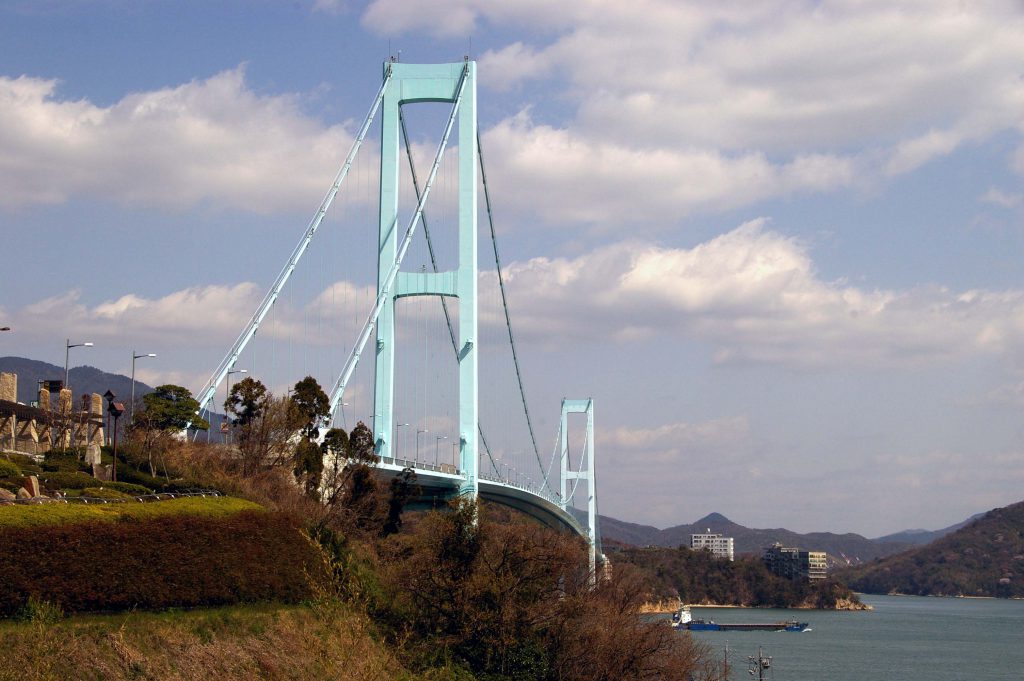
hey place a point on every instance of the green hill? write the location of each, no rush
(984, 558)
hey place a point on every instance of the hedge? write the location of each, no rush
(39, 515)
(170, 561)
(66, 480)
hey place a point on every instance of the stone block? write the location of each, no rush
(31, 485)
(9, 387)
(92, 454)
(64, 401)
(101, 472)
(7, 495)
(96, 405)
(23, 494)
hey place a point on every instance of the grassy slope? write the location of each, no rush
(240, 642)
(37, 515)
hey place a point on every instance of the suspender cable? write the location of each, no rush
(207, 393)
(371, 321)
(433, 262)
(504, 304)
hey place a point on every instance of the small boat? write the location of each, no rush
(684, 620)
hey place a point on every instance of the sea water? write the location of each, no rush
(905, 638)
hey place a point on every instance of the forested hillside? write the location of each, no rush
(696, 577)
(985, 558)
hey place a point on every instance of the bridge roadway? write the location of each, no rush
(440, 483)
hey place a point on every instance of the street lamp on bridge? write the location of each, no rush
(131, 405)
(437, 445)
(418, 443)
(397, 426)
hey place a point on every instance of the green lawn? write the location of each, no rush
(34, 515)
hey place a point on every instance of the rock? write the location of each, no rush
(23, 494)
(31, 485)
(92, 454)
(6, 495)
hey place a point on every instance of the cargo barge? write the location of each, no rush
(683, 620)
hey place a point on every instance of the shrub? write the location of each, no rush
(66, 514)
(8, 469)
(126, 487)
(27, 464)
(67, 480)
(162, 562)
(104, 493)
(62, 462)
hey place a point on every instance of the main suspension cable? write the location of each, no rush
(210, 389)
(504, 305)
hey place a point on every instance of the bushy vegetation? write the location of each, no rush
(163, 561)
(69, 514)
(465, 593)
(697, 577)
(985, 558)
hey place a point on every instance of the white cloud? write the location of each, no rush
(758, 87)
(1001, 198)
(562, 178)
(212, 140)
(753, 295)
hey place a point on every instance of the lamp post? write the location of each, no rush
(437, 444)
(227, 396)
(418, 443)
(67, 351)
(397, 426)
(131, 405)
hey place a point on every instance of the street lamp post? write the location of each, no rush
(227, 396)
(418, 443)
(437, 444)
(131, 405)
(400, 425)
(67, 352)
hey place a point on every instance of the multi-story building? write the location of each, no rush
(720, 547)
(792, 563)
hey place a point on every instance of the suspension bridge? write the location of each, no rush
(430, 358)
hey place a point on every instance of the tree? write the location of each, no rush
(266, 426)
(403, 490)
(312, 404)
(247, 400)
(361, 445)
(172, 407)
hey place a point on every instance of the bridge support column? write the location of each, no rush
(413, 83)
(586, 472)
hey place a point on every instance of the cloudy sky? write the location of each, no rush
(780, 243)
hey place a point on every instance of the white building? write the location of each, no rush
(720, 547)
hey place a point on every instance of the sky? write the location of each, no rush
(779, 243)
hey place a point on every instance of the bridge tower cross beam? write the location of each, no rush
(586, 472)
(415, 83)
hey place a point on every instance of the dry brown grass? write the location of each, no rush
(256, 642)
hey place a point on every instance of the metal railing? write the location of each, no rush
(135, 498)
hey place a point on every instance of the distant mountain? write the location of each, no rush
(983, 558)
(842, 548)
(83, 380)
(922, 537)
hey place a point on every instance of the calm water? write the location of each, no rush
(905, 638)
